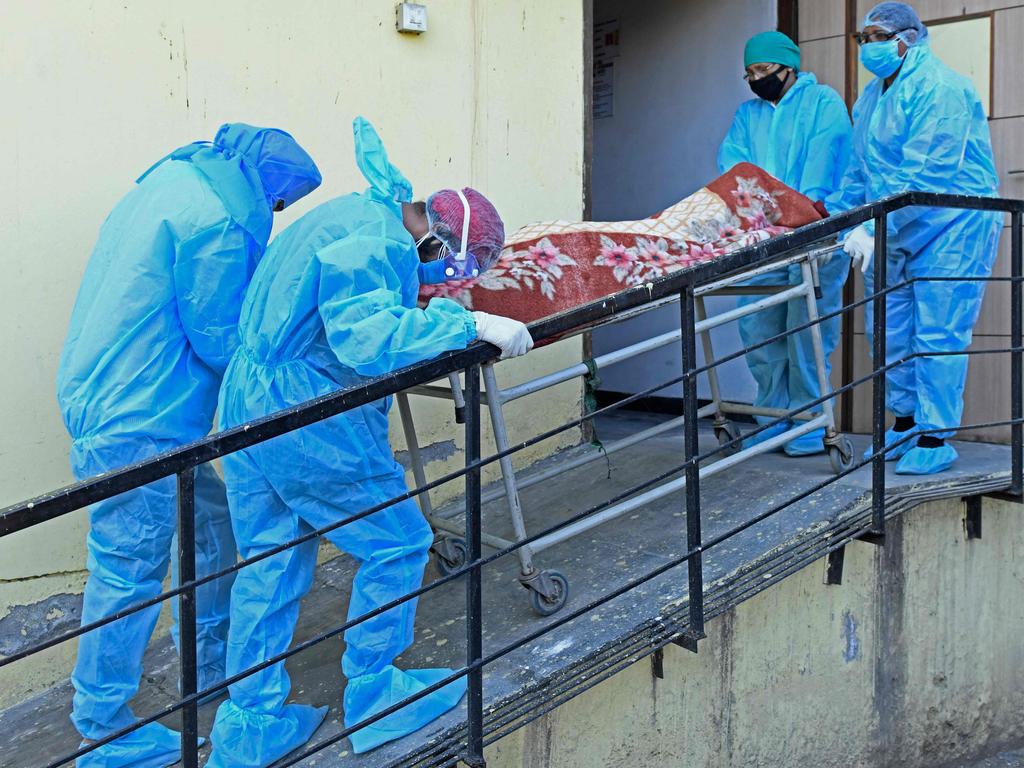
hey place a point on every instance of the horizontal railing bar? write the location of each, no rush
(479, 564)
(458, 473)
(317, 533)
(71, 634)
(253, 432)
(28, 514)
(76, 496)
(329, 405)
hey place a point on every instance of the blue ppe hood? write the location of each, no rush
(388, 185)
(268, 158)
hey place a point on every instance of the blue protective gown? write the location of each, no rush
(333, 302)
(804, 141)
(927, 132)
(152, 330)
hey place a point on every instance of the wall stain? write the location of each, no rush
(852, 649)
(890, 683)
(184, 61)
(438, 451)
(726, 678)
(537, 742)
(27, 625)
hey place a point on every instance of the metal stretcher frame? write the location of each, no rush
(549, 589)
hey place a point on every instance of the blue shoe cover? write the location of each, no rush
(369, 694)
(927, 461)
(773, 431)
(151, 746)
(810, 444)
(246, 739)
(894, 454)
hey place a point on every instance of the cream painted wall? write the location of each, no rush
(93, 93)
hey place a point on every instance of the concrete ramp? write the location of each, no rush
(529, 681)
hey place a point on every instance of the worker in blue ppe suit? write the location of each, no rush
(334, 302)
(799, 131)
(152, 330)
(921, 126)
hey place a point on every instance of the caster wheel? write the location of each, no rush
(547, 605)
(841, 456)
(725, 434)
(451, 554)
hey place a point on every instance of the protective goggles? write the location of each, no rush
(877, 37)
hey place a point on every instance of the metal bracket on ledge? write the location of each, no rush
(688, 640)
(870, 537)
(834, 566)
(658, 664)
(972, 517)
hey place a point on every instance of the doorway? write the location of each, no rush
(667, 82)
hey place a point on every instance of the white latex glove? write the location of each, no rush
(860, 245)
(510, 336)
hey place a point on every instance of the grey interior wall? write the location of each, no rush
(677, 83)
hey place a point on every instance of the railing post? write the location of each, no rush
(474, 603)
(187, 616)
(878, 381)
(695, 566)
(1016, 356)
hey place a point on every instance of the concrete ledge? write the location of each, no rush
(913, 661)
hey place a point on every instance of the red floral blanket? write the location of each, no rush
(553, 266)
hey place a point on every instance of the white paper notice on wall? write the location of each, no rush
(604, 90)
(606, 49)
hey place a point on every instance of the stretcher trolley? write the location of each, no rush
(548, 589)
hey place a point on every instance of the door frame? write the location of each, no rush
(788, 22)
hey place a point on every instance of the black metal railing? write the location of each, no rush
(182, 463)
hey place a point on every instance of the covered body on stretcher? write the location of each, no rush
(552, 267)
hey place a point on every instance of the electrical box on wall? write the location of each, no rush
(412, 18)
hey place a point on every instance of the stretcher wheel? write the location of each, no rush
(841, 456)
(451, 554)
(546, 605)
(725, 433)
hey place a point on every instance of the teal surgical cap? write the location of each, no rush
(771, 47)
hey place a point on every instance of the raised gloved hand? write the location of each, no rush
(860, 245)
(510, 336)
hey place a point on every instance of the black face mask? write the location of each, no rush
(770, 86)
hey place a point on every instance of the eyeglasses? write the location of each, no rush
(756, 73)
(875, 37)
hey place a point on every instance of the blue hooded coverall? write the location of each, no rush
(333, 302)
(926, 132)
(152, 330)
(804, 141)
